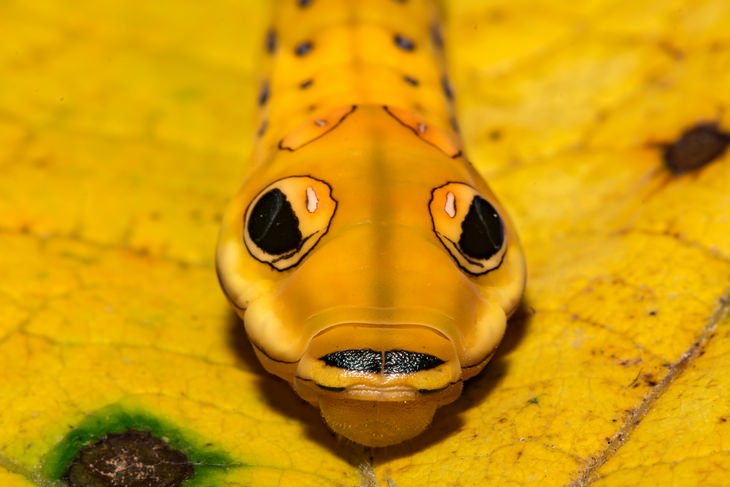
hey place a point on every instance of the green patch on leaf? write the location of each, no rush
(120, 436)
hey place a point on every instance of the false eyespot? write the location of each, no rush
(287, 219)
(469, 226)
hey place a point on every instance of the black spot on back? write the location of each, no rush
(446, 87)
(303, 48)
(130, 459)
(696, 147)
(482, 233)
(405, 362)
(262, 128)
(436, 37)
(359, 360)
(454, 124)
(264, 93)
(403, 42)
(273, 225)
(306, 84)
(304, 3)
(270, 41)
(410, 80)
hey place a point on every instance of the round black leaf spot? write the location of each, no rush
(696, 147)
(482, 232)
(130, 459)
(272, 225)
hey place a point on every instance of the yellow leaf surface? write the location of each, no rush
(124, 127)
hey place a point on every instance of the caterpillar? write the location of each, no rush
(373, 268)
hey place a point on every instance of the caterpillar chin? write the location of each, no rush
(382, 422)
(385, 389)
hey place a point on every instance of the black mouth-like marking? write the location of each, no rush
(405, 362)
(374, 362)
(361, 360)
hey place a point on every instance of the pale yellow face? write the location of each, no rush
(373, 269)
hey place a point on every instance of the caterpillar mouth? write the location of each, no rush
(388, 362)
(397, 362)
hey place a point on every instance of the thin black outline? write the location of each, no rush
(437, 233)
(417, 134)
(278, 258)
(280, 145)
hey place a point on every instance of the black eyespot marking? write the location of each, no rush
(405, 362)
(303, 48)
(273, 226)
(404, 42)
(270, 42)
(482, 233)
(436, 36)
(696, 147)
(411, 80)
(264, 93)
(469, 227)
(304, 3)
(446, 87)
(360, 360)
(306, 84)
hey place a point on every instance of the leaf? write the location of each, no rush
(124, 128)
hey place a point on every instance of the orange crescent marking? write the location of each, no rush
(314, 129)
(434, 136)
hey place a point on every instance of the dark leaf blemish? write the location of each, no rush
(695, 148)
(130, 459)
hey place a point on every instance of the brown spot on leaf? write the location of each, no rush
(695, 148)
(130, 459)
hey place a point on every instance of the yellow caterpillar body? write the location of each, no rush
(373, 268)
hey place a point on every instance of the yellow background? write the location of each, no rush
(124, 127)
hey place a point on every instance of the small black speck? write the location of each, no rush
(264, 93)
(303, 48)
(446, 86)
(304, 3)
(410, 80)
(306, 84)
(652, 312)
(495, 134)
(271, 41)
(262, 128)
(696, 147)
(404, 42)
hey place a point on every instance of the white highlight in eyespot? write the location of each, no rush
(450, 206)
(312, 200)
